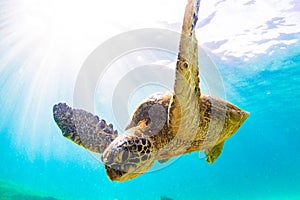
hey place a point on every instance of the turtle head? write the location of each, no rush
(128, 156)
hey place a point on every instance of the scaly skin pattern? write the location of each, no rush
(84, 128)
(130, 155)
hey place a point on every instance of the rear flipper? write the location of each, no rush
(84, 128)
(213, 153)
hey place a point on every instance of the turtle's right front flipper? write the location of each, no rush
(84, 128)
(184, 115)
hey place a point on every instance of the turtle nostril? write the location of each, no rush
(108, 158)
(106, 161)
(104, 158)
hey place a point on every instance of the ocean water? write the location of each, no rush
(255, 48)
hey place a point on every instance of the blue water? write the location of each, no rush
(261, 161)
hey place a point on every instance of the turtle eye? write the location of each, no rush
(125, 155)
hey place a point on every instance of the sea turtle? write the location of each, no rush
(165, 125)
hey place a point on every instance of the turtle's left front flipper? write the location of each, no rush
(84, 128)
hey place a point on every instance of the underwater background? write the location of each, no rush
(253, 44)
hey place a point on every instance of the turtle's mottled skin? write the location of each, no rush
(165, 125)
(84, 128)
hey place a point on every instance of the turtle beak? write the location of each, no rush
(113, 174)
